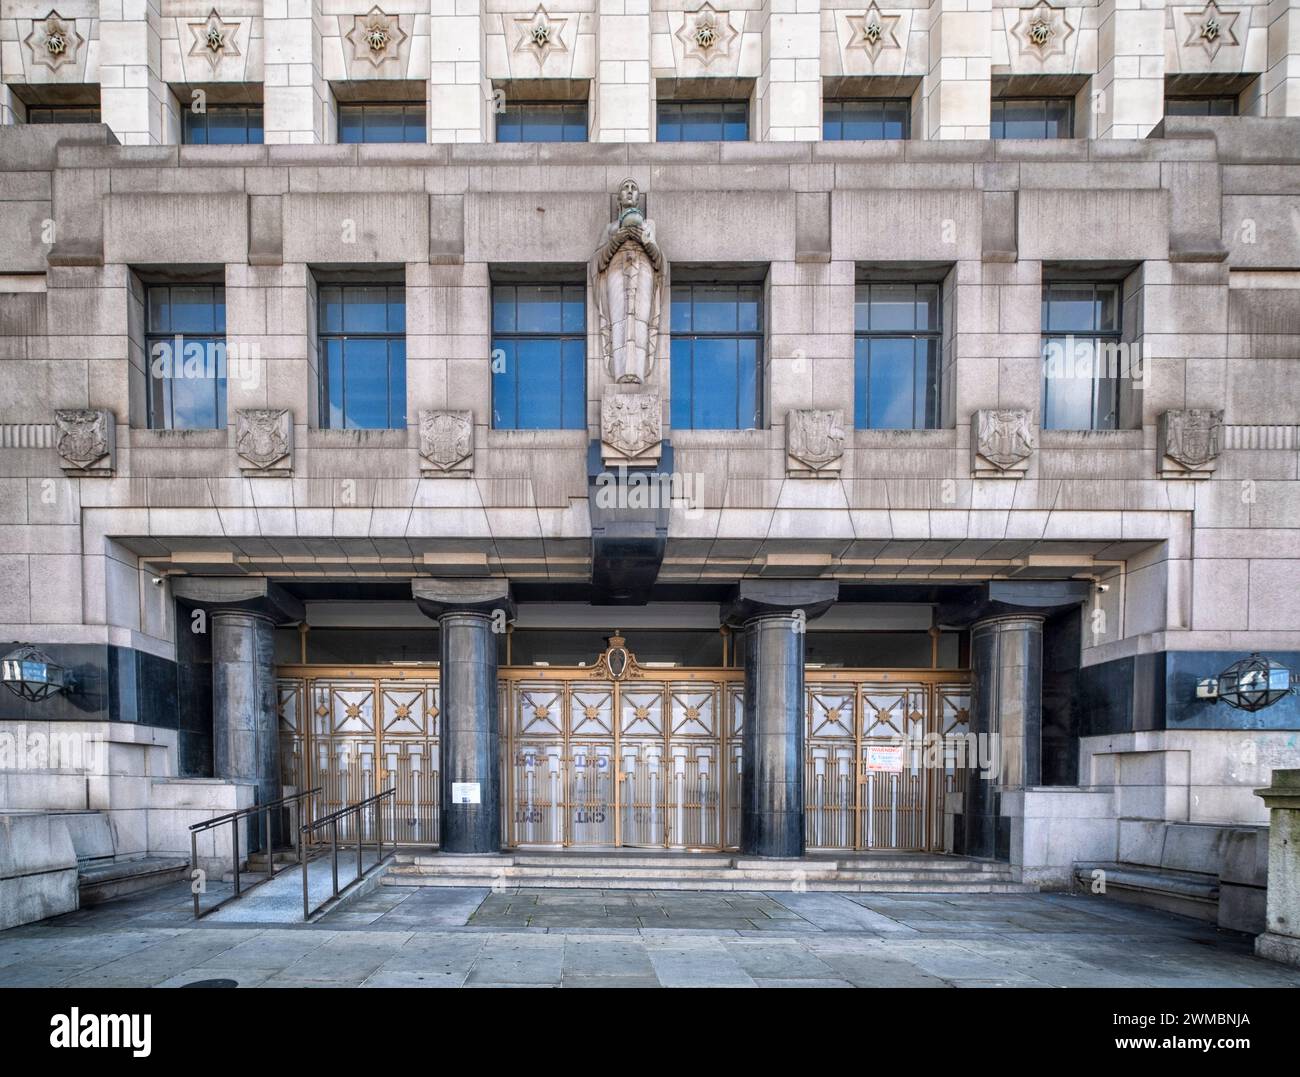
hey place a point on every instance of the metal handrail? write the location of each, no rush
(332, 821)
(233, 818)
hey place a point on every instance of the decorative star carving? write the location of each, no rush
(1043, 30)
(707, 34)
(376, 37)
(873, 32)
(1211, 29)
(541, 34)
(214, 39)
(54, 41)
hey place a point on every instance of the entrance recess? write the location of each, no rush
(617, 754)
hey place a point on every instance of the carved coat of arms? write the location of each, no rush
(85, 438)
(1003, 438)
(447, 439)
(631, 423)
(1191, 437)
(814, 439)
(264, 437)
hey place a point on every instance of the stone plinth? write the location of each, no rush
(1281, 939)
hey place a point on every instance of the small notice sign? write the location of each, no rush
(465, 793)
(885, 757)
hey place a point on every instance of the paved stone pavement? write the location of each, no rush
(432, 937)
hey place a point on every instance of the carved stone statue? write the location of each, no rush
(628, 273)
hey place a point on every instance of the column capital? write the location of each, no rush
(436, 597)
(752, 599)
(244, 594)
(1015, 598)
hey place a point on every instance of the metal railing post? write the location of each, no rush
(334, 852)
(302, 860)
(234, 844)
(360, 829)
(270, 850)
(194, 867)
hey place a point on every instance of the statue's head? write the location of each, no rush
(629, 194)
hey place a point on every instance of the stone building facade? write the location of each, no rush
(288, 597)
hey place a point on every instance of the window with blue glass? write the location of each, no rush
(1083, 356)
(1225, 105)
(543, 121)
(539, 361)
(185, 343)
(63, 114)
(865, 121)
(703, 121)
(374, 122)
(224, 125)
(896, 347)
(362, 339)
(717, 350)
(1032, 117)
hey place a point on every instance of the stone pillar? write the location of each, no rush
(134, 101)
(245, 726)
(623, 108)
(242, 614)
(1007, 709)
(790, 85)
(294, 92)
(1281, 938)
(1129, 87)
(774, 615)
(459, 96)
(471, 615)
(1281, 82)
(958, 81)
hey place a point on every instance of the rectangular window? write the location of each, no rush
(394, 122)
(185, 346)
(717, 356)
(224, 125)
(1201, 106)
(868, 120)
(539, 379)
(543, 121)
(1082, 356)
(63, 114)
(362, 356)
(896, 348)
(703, 121)
(1032, 117)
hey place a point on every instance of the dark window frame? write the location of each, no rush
(757, 335)
(1112, 337)
(569, 289)
(931, 420)
(840, 103)
(1230, 98)
(191, 118)
(324, 335)
(514, 107)
(54, 111)
(164, 407)
(718, 103)
(363, 108)
(1003, 102)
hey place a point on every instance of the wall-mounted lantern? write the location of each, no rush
(1250, 684)
(32, 675)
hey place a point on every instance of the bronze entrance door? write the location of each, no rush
(619, 755)
(882, 749)
(355, 732)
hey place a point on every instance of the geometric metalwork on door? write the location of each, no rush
(356, 733)
(614, 754)
(878, 758)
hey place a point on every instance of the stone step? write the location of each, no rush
(927, 885)
(98, 882)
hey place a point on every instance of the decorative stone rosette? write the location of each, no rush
(264, 440)
(707, 35)
(1210, 30)
(54, 42)
(214, 40)
(874, 32)
(540, 35)
(1002, 441)
(814, 442)
(376, 38)
(1042, 31)
(446, 443)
